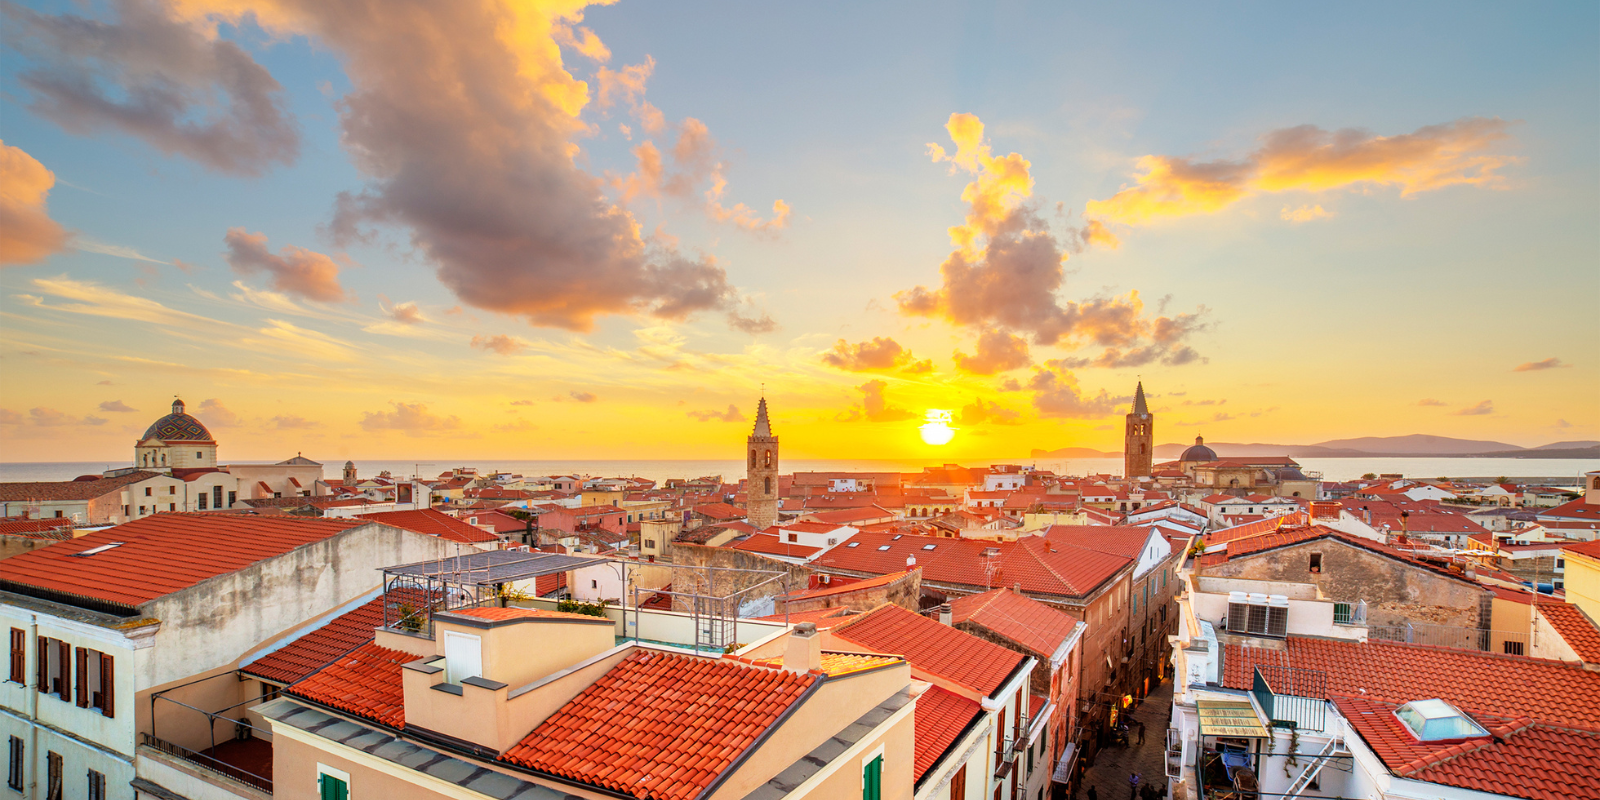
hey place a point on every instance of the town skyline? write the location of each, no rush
(1347, 239)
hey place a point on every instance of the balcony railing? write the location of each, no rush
(209, 763)
(1490, 641)
(1291, 697)
(1350, 613)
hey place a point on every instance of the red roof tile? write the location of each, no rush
(940, 717)
(834, 663)
(1575, 627)
(70, 490)
(767, 544)
(315, 649)
(433, 523)
(1521, 757)
(1549, 691)
(843, 587)
(365, 683)
(823, 618)
(163, 553)
(1040, 565)
(660, 725)
(1027, 622)
(1292, 520)
(933, 648)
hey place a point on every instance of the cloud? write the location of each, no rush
(9, 417)
(627, 86)
(27, 233)
(1561, 423)
(1304, 213)
(303, 341)
(584, 41)
(516, 426)
(51, 418)
(1308, 159)
(403, 313)
(522, 402)
(882, 353)
(997, 351)
(413, 418)
(1431, 402)
(1006, 268)
(116, 406)
(174, 84)
(1010, 385)
(465, 125)
(105, 383)
(1485, 407)
(1205, 402)
(501, 343)
(753, 325)
(979, 411)
(215, 415)
(293, 270)
(1535, 366)
(1056, 394)
(583, 397)
(116, 250)
(731, 415)
(874, 406)
(1095, 234)
(290, 422)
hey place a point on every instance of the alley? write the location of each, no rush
(1115, 763)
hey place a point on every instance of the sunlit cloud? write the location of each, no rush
(997, 351)
(1431, 402)
(1309, 159)
(881, 353)
(981, 411)
(412, 419)
(1304, 213)
(27, 233)
(116, 406)
(1056, 393)
(218, 415)
(583, 397)
(500, 343)
(731, 415)
(1485, 407)
(304, 341)
(293, 270)
(875, 407)
(1535, 366)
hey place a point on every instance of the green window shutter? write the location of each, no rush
(333, 788)
(872, 780)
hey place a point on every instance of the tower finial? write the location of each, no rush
(1139, 406)
(763, 425)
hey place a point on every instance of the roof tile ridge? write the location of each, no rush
(1051, 569)
(1446, 755)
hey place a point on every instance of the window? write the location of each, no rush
(54, 670)
(794, 537)
(769, 486)
(202, 502)
(332, 784)
(1513, 648)
(172, 506)
(216, 496)
(52, 790)
(14, 764)
(141, 509)
(95, 681)
(958, 784)
(172, 489)
(198, 454)
(872, 778)
(146, 491)
(1316, 562)
(233, 497)
(97, 786)
(19, 656)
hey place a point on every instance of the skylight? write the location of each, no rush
(97, 550)
(929, 546)
(853, 544)
(885, 547)
(1436, 720)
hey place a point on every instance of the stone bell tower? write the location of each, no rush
(761, 486)
(1138, 449)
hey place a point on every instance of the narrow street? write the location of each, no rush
(1115, 763)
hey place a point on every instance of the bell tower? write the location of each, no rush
(761, 485)
(1138, 449)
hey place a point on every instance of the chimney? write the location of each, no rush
(946, 616)
(805, 649)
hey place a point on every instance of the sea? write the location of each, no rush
(1556, 471)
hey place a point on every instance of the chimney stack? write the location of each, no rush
(805, 649)
(946, 616)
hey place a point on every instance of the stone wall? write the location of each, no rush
(903, 592)
(1396, 591)
(722, 584)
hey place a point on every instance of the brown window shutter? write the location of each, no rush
(41, 670)
(19, 656)
(65, 678)
(83, 678)
(108, 685)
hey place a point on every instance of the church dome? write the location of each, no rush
(178, 427)
(1199, 452)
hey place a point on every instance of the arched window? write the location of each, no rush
(752, 459)
(769, 459)
(769, 486)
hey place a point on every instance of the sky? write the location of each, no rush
(532, 230)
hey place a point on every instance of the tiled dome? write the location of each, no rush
(1199, 452)
(178, 427)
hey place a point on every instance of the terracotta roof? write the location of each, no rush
(1549, 691)
(1521, 757)
(1030, 623)
(848, 515)
(1285, 537)
(940, 718)
(933, 648)
(315, 649)
(57, 491)
(1268, 525)
(366, 683)
(497, 614)
(1041, 566)
(163, 553)
(767, 544)
(823, 618)
(720, 511)
(1590, 549)
(1125, 541)
(49, 528)
(1576, 509)
(433, 523)
(847, 586)
(660, 725)
(1575, 627)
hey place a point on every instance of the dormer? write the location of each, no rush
(483, 656)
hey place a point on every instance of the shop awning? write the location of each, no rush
(1230, 718)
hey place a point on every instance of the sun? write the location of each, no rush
(936, 430)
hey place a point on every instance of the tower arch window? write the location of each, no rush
(768, 459)
(752, 459)
(769, 485)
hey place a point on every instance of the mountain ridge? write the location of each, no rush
(1416, 445)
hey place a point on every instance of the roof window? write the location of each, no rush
(852, 544)
(1437, 721)
(929, 546)
(97, 550)
(897, 537)
(884, 547)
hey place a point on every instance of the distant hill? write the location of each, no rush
(1416, 444)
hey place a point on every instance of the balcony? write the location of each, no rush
(247, 761)
(1290, 697)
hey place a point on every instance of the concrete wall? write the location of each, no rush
(1396, 592)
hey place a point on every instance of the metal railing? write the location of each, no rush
(1350, 613)
(209, 763)
(1505, 642)
(1292, 697)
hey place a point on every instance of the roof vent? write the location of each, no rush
(1437, 721)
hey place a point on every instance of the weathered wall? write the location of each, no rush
(903, 592)
(726, 583)
(1396, 592)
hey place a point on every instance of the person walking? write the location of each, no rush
(1093, 795)
(1133, 786)
(1141, 731)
